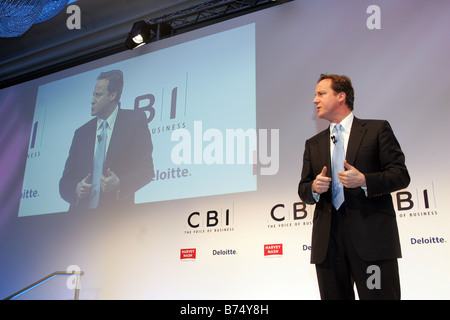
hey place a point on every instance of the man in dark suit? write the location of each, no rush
(357, 241)
(126, 160)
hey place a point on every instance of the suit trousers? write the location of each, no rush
(343, 268)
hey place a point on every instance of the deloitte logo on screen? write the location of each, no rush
(171, 173)
(29, 194)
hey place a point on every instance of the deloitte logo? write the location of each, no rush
(29, 193)
(429, 241)
(227, 252)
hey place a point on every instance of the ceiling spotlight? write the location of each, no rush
(139, 35)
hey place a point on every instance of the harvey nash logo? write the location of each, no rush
(273, 249)
(188, 254)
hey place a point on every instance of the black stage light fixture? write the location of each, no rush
(193, 17)
(139, 35)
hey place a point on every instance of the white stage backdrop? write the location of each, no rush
(229, 109)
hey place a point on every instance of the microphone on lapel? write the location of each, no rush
(333, 138)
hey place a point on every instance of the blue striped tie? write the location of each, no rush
(337, 164)
(98, 167)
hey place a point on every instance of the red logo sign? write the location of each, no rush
(273, 249)
(188, 253)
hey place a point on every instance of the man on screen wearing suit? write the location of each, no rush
(111, 155)
(355, 234)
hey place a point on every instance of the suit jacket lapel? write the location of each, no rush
(356, 136)
(114, 142)
(324, 150)
(89, 138)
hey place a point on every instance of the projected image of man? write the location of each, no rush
(111, 155)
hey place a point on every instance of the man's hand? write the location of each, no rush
(84, 187)
(322, 183)
(110, 182)
(351, 177)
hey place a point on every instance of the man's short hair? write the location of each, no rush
(115, 82)
(341, 83)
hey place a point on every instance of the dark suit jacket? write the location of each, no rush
(373, 150)
(129, 156)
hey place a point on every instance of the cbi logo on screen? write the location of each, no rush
(165, 108)
(29, 193)
(35, 141)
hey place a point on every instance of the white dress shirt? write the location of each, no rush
(347, 125)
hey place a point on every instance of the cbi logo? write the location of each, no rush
(168, 102)
(146, 102)
(206, 221)
(421, 201)
(35, 140)
(278, 212)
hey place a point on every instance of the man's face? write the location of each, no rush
(102, 101)
(327, 101)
